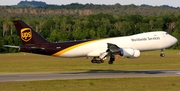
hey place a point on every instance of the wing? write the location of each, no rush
(113, 48)
(126, 52)
(103, 54)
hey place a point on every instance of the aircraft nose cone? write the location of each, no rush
(173, 40)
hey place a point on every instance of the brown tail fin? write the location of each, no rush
(27, 34)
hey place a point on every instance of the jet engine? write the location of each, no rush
(129, 52)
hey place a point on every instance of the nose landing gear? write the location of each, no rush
(162, 53)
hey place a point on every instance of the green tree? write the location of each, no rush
(92, 34)
(176, 34)
(159, 24)
(80, 34)
(102, 32)
(145, 27)
(2, 48)
(126, 28)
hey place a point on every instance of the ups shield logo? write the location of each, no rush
(26, 34)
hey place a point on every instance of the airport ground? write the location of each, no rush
(24, 63)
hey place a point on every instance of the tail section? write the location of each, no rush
(27, 34)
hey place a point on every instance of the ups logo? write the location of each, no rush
(26, 34)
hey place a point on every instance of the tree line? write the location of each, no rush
(65, 23)
(76, 9)
(68, 28)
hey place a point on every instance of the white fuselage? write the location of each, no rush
(142, 42)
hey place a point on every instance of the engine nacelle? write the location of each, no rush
(129, 52)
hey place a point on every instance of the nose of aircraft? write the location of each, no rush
(173, 40)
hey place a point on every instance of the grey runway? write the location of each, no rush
(86, 75)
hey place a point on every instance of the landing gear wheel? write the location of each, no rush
(102, 61)
(110, 62)
(112, 58)
(93, 61)
(162, 54)
(97, 60)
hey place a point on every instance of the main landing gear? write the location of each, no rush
(162, 53)
(112, 58)
(98, 60)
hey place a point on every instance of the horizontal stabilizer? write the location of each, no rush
(10, 46)
(36, 50)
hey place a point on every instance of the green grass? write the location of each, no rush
(25, 63)
(30, 63)
(114, 84)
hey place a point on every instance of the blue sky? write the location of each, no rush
(175, 3)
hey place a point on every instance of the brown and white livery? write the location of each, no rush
(99, 49)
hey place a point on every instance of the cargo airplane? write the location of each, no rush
(99, 49)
